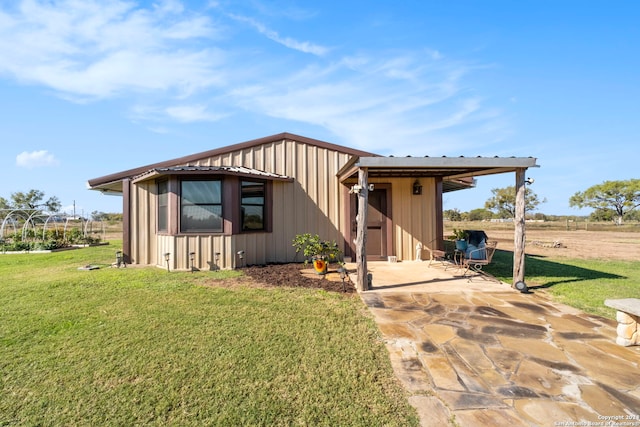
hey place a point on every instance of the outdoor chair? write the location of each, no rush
(436, 255)
(476, 259)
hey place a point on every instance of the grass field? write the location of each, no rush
(595, 261)
(581, 283)
(140, 346)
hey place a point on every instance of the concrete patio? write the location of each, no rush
(476, 353)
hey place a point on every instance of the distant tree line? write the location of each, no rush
(34, 201)
(612, 201)
(106, 217)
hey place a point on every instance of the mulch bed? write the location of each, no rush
(297, 276)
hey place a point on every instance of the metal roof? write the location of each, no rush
(205, 170)
(457, 173)
(112, 183)
(445, 167)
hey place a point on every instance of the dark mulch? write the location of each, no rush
(290, 275)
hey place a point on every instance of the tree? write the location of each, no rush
(452, 214)
(620, 196)
(480, 214)
(503, 201)
(33, 201)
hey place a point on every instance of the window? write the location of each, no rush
(252, 205)
(201, 206)
(163, 206)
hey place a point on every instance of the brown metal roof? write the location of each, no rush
(457, 173)
(203, 170)
(113, 183)
(446, 167)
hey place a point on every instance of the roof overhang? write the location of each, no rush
(456, 172)
(210, 170)
(115, 187)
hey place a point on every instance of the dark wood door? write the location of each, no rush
(377, 227)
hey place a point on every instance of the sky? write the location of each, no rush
(89, 88)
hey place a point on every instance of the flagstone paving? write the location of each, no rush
(470, 356)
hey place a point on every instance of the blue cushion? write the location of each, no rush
(474, 253)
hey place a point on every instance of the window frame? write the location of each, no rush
(262, 206)
(162, 207)
(231, 202)
(221, 204)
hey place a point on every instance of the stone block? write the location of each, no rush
(626, 330)
(623, 341)
(623, 317)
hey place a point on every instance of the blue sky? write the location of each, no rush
(89, 88)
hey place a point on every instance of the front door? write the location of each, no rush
(377, 224)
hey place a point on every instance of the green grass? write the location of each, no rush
(140, 346)
(583, 284)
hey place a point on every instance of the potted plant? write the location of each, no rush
(460, 237)
(319, 252)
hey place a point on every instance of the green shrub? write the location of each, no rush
(312, 247)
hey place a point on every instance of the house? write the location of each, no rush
(243, 204)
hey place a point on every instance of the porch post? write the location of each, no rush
(362, 284)
(519, 231)
(126, 220)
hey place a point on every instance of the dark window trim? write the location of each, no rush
(159, 207)
(263, 205)
(221, 204)
(231, 201)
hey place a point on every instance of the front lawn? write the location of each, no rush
(140, 346)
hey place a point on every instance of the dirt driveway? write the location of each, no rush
(612, 245)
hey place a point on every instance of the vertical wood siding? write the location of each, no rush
(413, 216)
(310, 204)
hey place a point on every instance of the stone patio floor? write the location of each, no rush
(479, 353)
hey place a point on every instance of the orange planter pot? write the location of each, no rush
(320, 266)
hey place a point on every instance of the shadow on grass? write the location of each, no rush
(538, 268)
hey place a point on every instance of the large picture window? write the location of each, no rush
(163, 206)
(252, 205)
(201, 206)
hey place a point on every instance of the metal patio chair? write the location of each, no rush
(476, 259)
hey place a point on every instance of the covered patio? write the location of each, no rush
(450, 173)
(417, 276)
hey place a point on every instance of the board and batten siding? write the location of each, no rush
(413, 216)
(309, 204)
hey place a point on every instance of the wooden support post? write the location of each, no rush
(519, 231)
(362, 282)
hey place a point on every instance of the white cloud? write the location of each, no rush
(306, 47)
(101, 49)
(183, 113)
(175, 65)
(390, 103)
(193, 113)
(36, 159)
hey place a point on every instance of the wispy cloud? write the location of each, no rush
(183, 113)
(302, 46)
(193, 113)
(36, 159)
(101, 49)
(387, 102)
(176, 65)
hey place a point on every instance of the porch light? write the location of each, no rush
(120, 260)
(343, 276)
(166, 258)
(417, 188)
(192, 255)
(522, 287)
